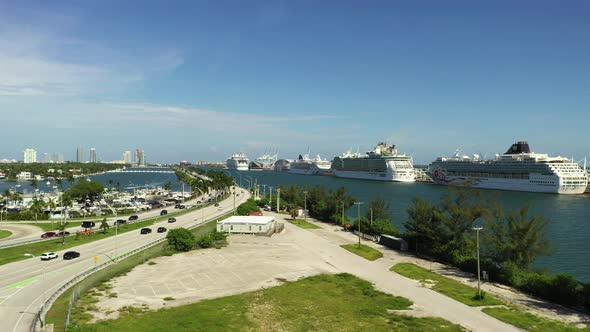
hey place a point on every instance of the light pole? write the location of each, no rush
(278, 199)
(477, 229)
(116, 229)
(249, 184)
(270, 200)
(305, 204)
(358, 204)
(42, 278)
(264, 190)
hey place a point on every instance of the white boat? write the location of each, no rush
(518, 169)
(308, 166)
(238, 161)
(383, 163)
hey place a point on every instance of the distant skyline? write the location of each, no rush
(196, 80)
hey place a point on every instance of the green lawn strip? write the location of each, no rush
(47, 227)
(320, 303)
(444, 285)
(13, 254)
(530, 322)
(302, 224)
(4, 233)
(363, 251)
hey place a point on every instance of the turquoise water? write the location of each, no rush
(568, 228)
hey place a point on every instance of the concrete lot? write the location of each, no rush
(248, 263)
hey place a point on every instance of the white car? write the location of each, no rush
(48, 256)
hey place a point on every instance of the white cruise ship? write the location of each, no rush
(384, 163)
(238, 161)
(518, 169)
(307, 166)
(264, 162)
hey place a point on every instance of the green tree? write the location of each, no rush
(420, 227)
(293, 210)
(104, 225)
(37, 207)
(518, 237)
(168, 186)
(62, 225)
(83, 189)
(181, 239)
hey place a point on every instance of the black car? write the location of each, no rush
(171, 220)
(88, 224)
(63, 233)
(216, 204)
(71, 255)
(179, 206)
(146, 230)
(161, 229)
(163, 212)
(120, 222)
(133, 217)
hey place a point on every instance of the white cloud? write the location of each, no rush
(36, 62)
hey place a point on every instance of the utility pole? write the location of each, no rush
(477, 229)
(270, 189)
(305, 204)
(358, 204)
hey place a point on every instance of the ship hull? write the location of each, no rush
(377, 176)
(512, 185)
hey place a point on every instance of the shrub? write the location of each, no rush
(248, 207)
(209, 240)
(181, 239)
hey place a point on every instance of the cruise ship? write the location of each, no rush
(307, 166)
(518, 169)
(384, 163)
(264, 162)
(238, 161)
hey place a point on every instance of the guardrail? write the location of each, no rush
(40, 315)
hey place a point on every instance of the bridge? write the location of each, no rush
(167, 171)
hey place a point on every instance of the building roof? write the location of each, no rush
(255, 220)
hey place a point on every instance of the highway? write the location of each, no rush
(25, 285)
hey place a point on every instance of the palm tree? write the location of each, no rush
(37, 207)
(62, 225)
(104, 225)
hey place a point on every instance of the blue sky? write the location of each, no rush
(200, 80)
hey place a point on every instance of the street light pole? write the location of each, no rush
(477, 229)
(305, 204)
(278, 199)
(270, 200)
(358, 204)
(264, 191)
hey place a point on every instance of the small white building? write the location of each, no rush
(247, 224)
(24, 176)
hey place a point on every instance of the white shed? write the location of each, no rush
(246, 224)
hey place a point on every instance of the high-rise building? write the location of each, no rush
(30, 156)
(139, 157)
(80, 154)
(47, 158)
(58, 158)
(127, 157)
(92, 155)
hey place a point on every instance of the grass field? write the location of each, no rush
(13, 254)
(364, 251)
(47, 227)
(4, 233)
(321, 303)
(530, 322)
(444, 285)
(302, 224)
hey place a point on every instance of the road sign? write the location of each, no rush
(95, 259)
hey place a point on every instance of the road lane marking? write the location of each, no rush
(22, 283)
